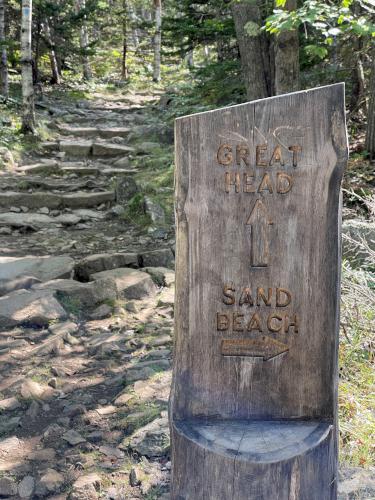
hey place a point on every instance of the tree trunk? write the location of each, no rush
(157, 41)
(28, 110)
(3, 58)
(84, 42)
(124, 68)
(370, 134)
(36, 41)
(254, 50)
(52, 54)
(287, 58)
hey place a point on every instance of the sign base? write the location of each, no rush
(287, 460)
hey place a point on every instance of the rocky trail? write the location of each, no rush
(86, 314)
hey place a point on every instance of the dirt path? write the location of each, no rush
(86, 314)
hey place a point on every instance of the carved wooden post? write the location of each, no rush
(253, 407)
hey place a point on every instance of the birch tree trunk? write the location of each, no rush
(157, 41)
(287, 58)
(52, 53)
(3, 57)
(254, 50)
(370, 134)
(124, 67)
(84, 42)
(28, 110)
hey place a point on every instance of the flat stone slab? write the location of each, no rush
(28, 221)
(92, 132)
(78, 199)
(104, 262)
(32, 308)
(107, 149)
(40, 168)
(80, 170)
(257, 441)
(47, 268)
(130, 283)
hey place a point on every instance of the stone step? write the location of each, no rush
(108, 149)
(77, 168)
(80, 199)
(31, 221)
(85, 149)
(93, 132)
(31, 183)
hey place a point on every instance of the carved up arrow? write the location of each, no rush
(264, 347)
(259, 222)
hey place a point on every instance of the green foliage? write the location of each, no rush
(326, 20)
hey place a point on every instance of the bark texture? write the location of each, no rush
(254, 50)
(28, 110)
(124, 65)
(52, 53)
(84, 42)
(3, 57)
(370, 135)
(157, 40)
(287, 58)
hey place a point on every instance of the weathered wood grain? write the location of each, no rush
(257, 284)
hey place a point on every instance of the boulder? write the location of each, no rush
(6, 159)
(33, 308)
(103, 262)
(80, 295)
(158, 258)
(23, 272)
(130, 283)
(126, 188)
(152, 440)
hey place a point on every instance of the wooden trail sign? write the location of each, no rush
(254, 396)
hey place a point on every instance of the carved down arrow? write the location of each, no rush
(264, 347)
(259, 222)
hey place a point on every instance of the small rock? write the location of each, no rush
(53, 383)
(43, 210)
(16, 210)
(50, 482)
(33, 410)
(101, 312)
(9, 404)
(26, 487)
(5, 231)
(109, 451)
(117, 211)
(152, 440)
(134, 479)
(32, 390)
(8, 487)
(155, 211)
(73, 437)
